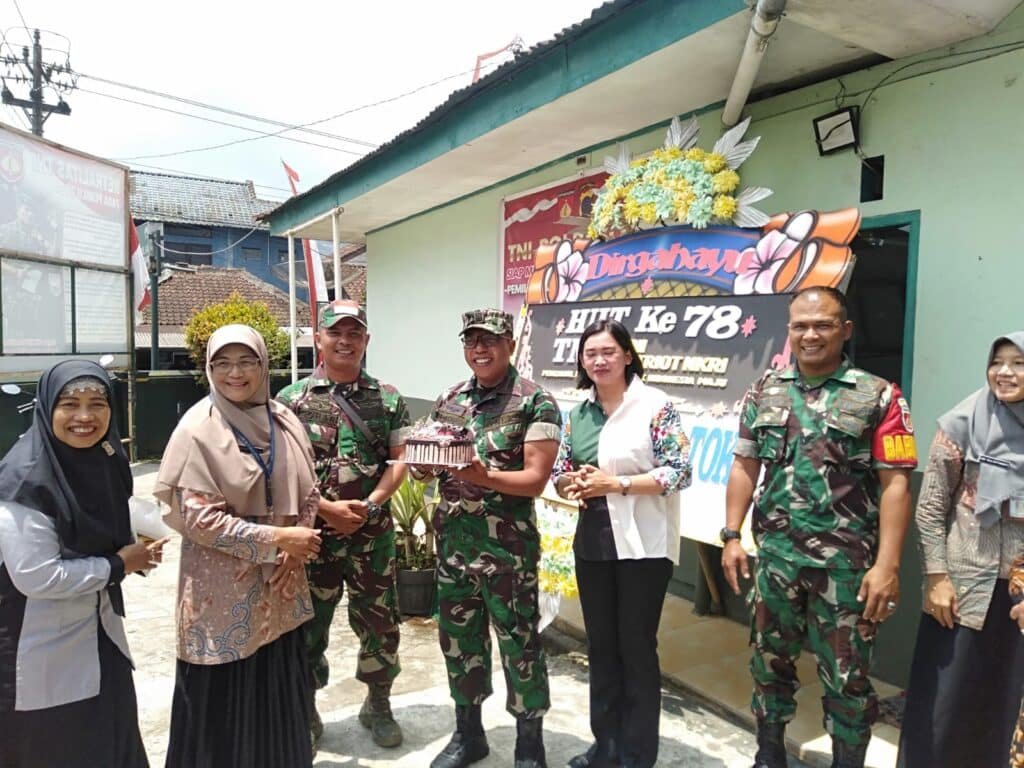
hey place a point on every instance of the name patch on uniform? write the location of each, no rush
(897, 448)
(454, 409)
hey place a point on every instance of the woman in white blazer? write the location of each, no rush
(624, 456)
(67, 699)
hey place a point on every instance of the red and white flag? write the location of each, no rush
(314, 264)
(141, 273)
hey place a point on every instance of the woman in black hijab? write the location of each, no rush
(66, 693)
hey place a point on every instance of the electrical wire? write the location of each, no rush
(219, 122)
(20, 14)
(304, 125)
(214, 107)
(165, 249)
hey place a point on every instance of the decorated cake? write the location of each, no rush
(440, 444)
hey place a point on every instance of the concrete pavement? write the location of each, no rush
(693, 734)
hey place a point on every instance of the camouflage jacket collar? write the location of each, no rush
(845, 373)
(319, 379)
(508, 386)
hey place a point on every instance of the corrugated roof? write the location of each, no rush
(185, 292)
(176, 339)
(506, 71)
(196, 200)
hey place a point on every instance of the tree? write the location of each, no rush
(235, 309)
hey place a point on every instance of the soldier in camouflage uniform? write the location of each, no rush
(830, 517)
(355, 485)
(488, 543)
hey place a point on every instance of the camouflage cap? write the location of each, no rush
(336, 311)
(493, 320)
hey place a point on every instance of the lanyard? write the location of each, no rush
(266, 466)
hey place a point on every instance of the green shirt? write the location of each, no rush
(475, 525)
(822, 445)
(348, 466)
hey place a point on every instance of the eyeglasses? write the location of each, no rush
(248, 365)
(820, 327)
(489, 340)
(1017, 366)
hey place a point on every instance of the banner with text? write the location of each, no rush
(538, 219)
(59, 204)
(704, 352)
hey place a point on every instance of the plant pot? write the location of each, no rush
(416, 591)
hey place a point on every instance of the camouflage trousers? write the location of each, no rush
(372, 608)
(791, 604)
(470, 602)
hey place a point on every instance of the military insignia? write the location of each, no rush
(908, 425)
(454, 409)
(899, 448)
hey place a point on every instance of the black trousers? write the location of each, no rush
(622, 602)
(964, 693)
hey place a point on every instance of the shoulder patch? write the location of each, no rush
(904, 407)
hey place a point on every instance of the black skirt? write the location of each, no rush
(101, 732)
(965, 692)
(252, 713)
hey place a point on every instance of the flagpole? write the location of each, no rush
(337, 256)
(291, 308)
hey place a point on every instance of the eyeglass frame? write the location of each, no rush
(487, 339)
(222, 366)
(820, 326)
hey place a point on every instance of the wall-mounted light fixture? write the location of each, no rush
(836, 131)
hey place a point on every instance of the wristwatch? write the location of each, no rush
(372, 508)
(625, 484)
(727, 534)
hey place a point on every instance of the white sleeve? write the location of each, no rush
(30, 549)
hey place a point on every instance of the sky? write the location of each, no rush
(295, 62)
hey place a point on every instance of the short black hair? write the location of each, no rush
(622, 338)
(835, 293)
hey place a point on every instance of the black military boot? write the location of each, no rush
(468, 744)
(603, 753)
(530, 743)
(848, 755)
(376, 715)
(771, 745)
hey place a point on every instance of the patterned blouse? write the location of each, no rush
(951, 539)
(226, 607)
(672, 471)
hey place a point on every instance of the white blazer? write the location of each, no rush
(57, 660)
(643, 526)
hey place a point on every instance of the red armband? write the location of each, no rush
(894, 442)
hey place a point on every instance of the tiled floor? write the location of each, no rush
(709, 655)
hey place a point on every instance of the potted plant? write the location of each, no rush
(415, 560)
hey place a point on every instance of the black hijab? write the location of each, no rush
(85, 490)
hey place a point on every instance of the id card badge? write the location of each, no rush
(1017, 510)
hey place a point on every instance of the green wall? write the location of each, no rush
(949, 129)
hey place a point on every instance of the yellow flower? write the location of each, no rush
(682, 203)
(696, 153)
(638, 162)
(724, 207)
(725, 181)
(631, 211)
(649, 213)
(714, 162)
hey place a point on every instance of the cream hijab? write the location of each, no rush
(204, 455)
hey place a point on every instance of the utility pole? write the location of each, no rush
(41, 75)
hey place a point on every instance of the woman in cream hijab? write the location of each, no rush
(238, 477)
